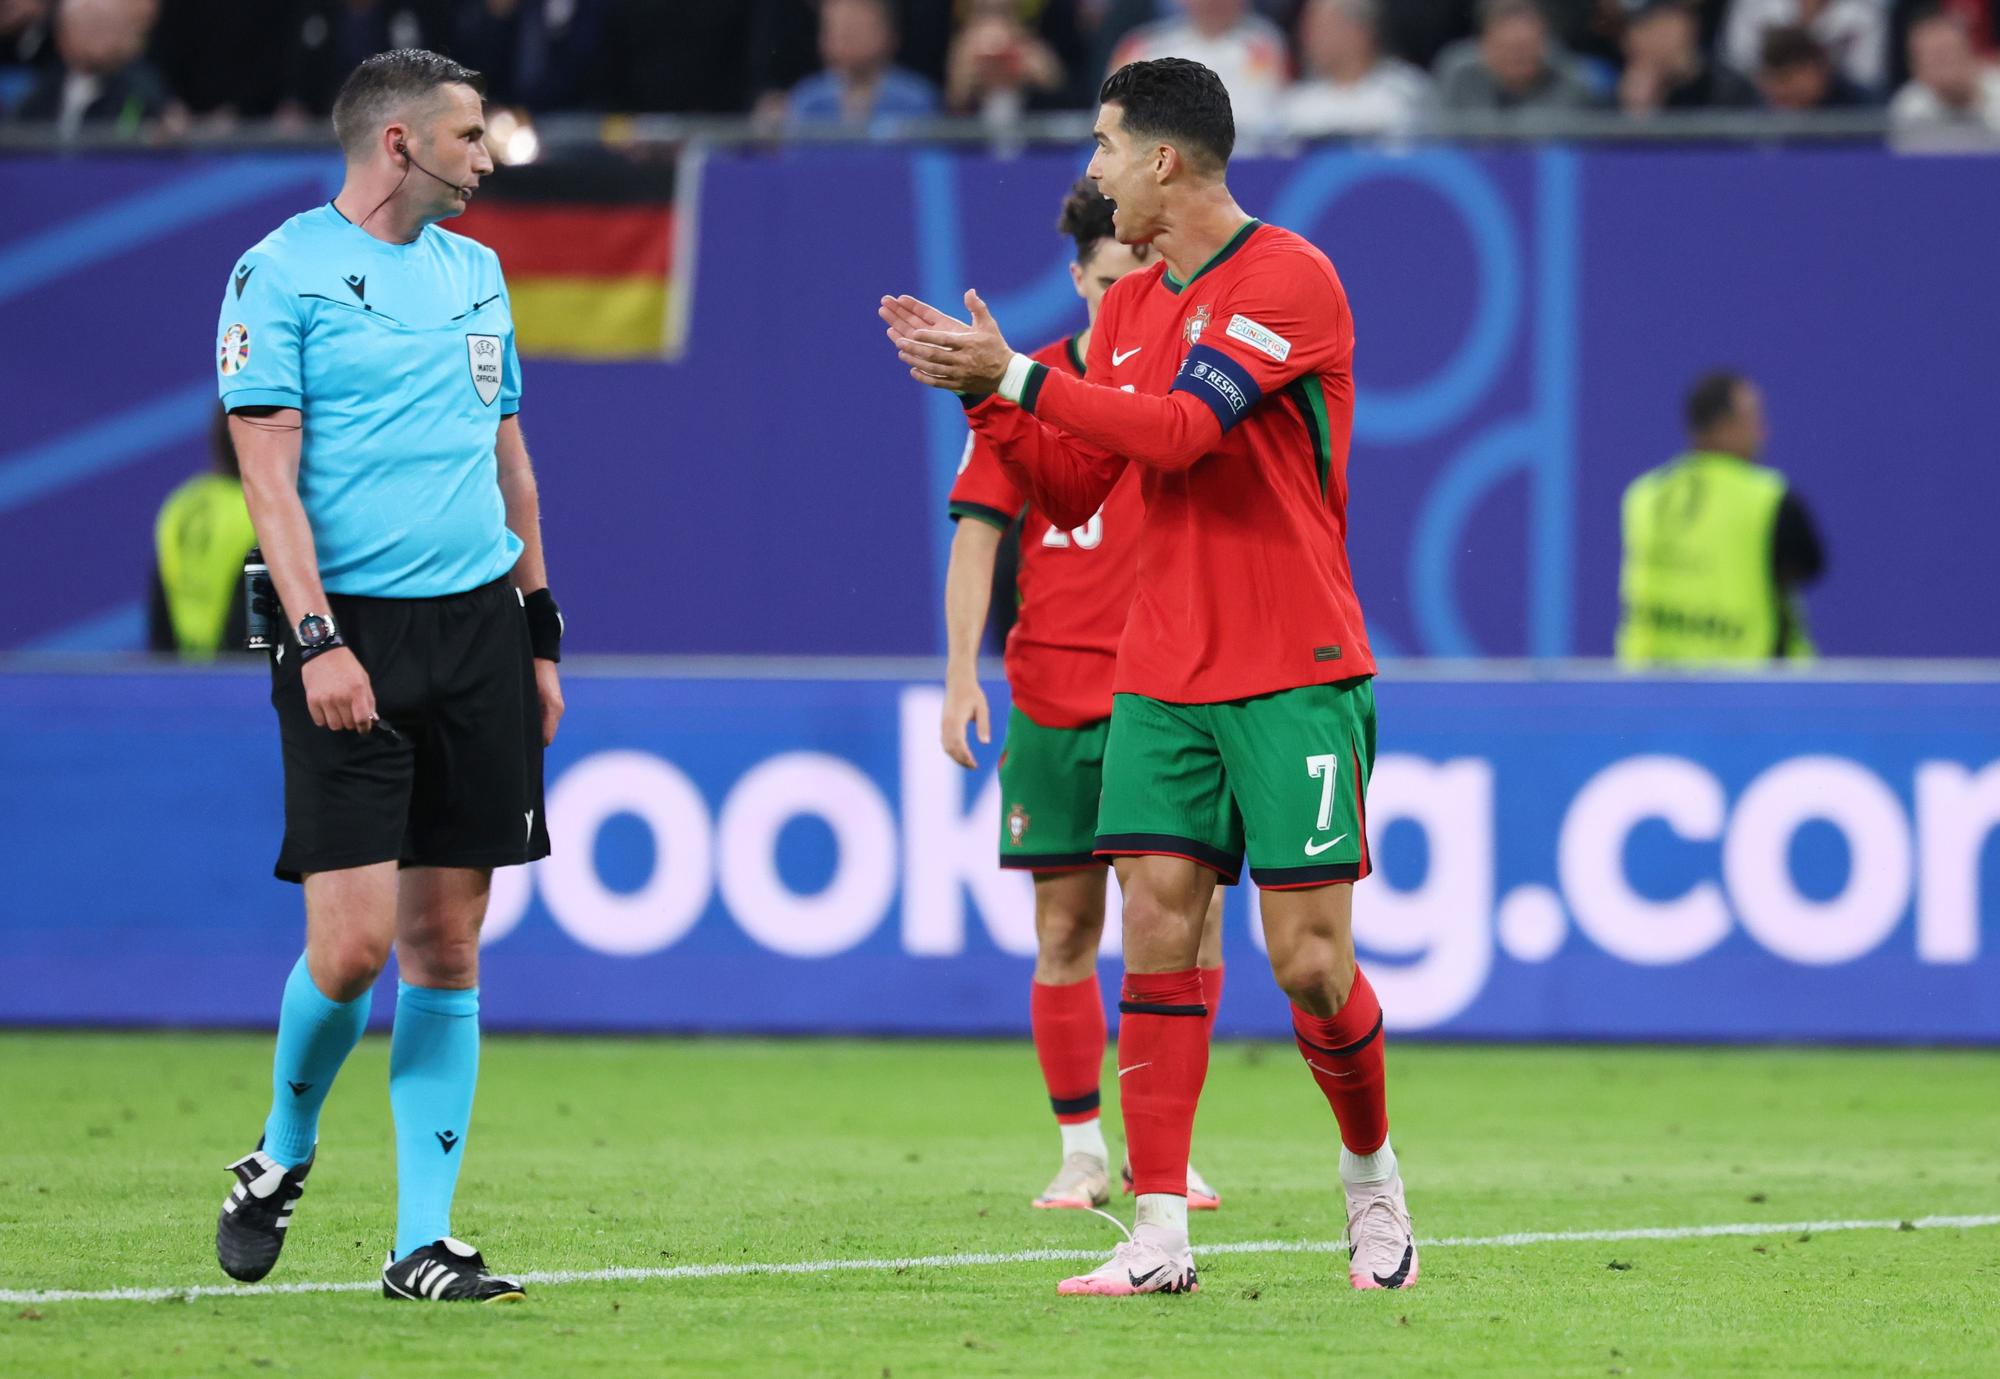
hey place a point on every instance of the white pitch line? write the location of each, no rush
(963, 1261)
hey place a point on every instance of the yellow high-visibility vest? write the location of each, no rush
(200, 538)
(1696, 585)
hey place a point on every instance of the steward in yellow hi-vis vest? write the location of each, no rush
(199, 541)
(1716, 546)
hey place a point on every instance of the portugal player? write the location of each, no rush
(1074, 591)
(1244, 713)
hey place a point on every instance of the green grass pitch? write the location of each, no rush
(657, 1154)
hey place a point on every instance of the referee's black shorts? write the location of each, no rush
(452, 777)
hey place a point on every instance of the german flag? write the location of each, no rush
(589, 249)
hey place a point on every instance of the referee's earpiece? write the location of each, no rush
(410, 162)
(403, 150)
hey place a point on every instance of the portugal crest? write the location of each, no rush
(1017, 825)
(1196, 324)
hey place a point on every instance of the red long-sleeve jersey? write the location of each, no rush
(1233, 394)
(1075, 583)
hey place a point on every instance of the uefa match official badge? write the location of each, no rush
(483, 354)
(1196, 324)
(235, 351)
(1017, 825)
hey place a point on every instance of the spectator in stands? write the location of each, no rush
(1108, 23)
(1242, 47)
(1350, 86)
(1717, 546)
(104, 78)
(331, 37)
(195, 603)
(1514, 64)
(1592, 30)
(1950, 95)
(1797, 74)
(533, 53)
(27, 47)
(1853, 33)
(783, 46)
(998, 67)
(1665, 68)
(1980, 17)
(859, 83)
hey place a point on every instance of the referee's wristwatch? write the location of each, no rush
(317, 634)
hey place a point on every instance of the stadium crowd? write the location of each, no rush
(1298, 67)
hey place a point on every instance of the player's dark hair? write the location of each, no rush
(387, 83)
(1791, 45)
(1086, 218)
(1712, 400)
(1175, 101)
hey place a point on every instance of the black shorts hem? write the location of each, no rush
(1300, 878)
(517, 857)
(1168, 845)
(1049, 861)
(296, 869)
(511, 857)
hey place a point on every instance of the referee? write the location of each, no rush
(367, 365)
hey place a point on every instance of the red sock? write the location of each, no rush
(1162, 1061)
(1345, 1055)
(1068, 1022)
(1211, 995)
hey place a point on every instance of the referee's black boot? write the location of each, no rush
(257, 1212)
(446, 1271)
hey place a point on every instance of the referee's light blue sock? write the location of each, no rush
(433, 1064)
(315, 1035)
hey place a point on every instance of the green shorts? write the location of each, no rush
(1049, 782)
(1288, 772)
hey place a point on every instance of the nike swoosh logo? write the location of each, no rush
(1315, 849)
(1133, 1069)
(1328, 1071)
(1118, 360)
(1141, 1280)
(1395, 1280)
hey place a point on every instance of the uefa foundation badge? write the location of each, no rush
(235, 350)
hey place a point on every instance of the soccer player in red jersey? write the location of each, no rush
(1074, 589)
(1244, 714)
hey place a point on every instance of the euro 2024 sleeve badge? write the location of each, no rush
(235, 351)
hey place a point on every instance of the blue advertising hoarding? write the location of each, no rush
(1558, 858)
(1527, 321)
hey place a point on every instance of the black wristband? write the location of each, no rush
(545, 625)
(307, 653)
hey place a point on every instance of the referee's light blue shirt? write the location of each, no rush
(400, 358)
